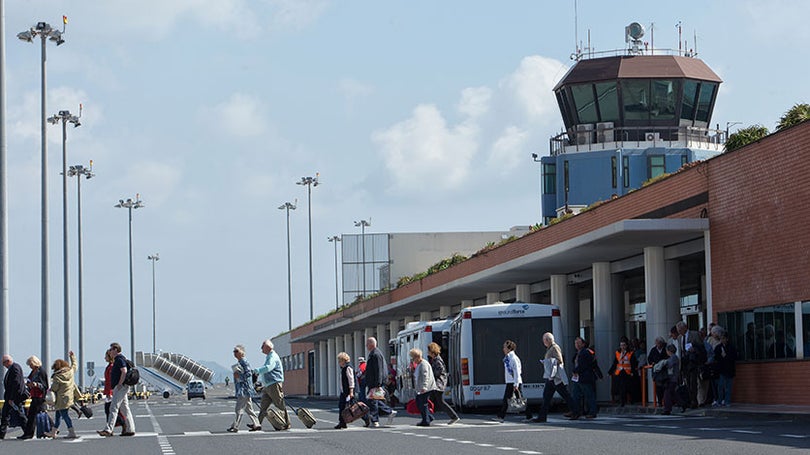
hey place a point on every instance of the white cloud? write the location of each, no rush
(475, 101)
(25, 119)
(422, 152)
(297, 13)
(530, 86)
(240, 115)
(507, 151)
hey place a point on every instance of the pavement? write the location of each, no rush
(742, 410)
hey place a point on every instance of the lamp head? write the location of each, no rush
(26, 36)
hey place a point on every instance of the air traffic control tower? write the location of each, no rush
(630, 115)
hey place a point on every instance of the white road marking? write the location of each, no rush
(746, 431)
(797, 436)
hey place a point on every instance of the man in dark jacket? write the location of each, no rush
(583, 381)
(657, 354)
(15, 395)
(376, 374)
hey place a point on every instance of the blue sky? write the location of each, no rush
(421, 115)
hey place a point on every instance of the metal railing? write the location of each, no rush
(587, 140)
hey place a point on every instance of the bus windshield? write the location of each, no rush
(490, 334)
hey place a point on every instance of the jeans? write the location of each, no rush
(578, 390)
(63, 414)
(437, 397)
(377, 407)
(724, 384)
(424, 408)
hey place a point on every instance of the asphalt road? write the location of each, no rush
(178, 426)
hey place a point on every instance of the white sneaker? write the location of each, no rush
(391, 417)
(453, 420)
(375, 424)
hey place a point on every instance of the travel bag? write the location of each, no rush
(305, 416)
(276, 419)
(43, 424)
(353, 411)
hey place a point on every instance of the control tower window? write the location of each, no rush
(608, 101)
(690, 89)
(549, 178)
(656, 165)
(704, 105)
(585, 103)
(664, 99)
(636, 96)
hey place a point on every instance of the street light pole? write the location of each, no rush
(363, 224)
(335, 239)
(65, 117)
(129, 204)
(154, 258)
(4, 322)
(79, 171)
(288, 206)
(310, 182)
(45, 32)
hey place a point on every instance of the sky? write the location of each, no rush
(421, 116)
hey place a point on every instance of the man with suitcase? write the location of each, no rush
(376, 374)
(271, 375)
(14, 395)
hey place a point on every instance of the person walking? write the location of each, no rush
(673, 378)
(513, 376)
(556, 379)
(440, 376)
(108, 389)
(120, 392)
(424, 384)
(693, 357)
(658, 353)
(14, 395)
(376, 375)
(623, 370)
(583, 381)
(63, 387)
(37, 384)
(347, 381)
(725, 358)
(361, 379)
(243, 390)
(271, 375)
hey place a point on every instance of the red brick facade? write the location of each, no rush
(759, 214)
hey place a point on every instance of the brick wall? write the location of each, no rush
(772, 383)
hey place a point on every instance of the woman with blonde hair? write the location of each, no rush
(37, 383)
(63, 387)
(440, 376)
(424, 384)
(347, 384)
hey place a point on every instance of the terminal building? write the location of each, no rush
(716, 237)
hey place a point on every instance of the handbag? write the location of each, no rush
(50, 397)
(516, 405)
(376, 393)
(412, 408)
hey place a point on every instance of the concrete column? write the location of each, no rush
(348, 346)
(331, 368)
(425, 315)
(321, 368)
(493, 297)
(369, 332)
(339, 345)
(707, 257)
(406, 320)
(445, 311)
(393, 329)
(606, 323)
(382, 340)
(672, 305)
(467, 303)
(523, 293)
(569, 315)
(655, 292)
(359, 345)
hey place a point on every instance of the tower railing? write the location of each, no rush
(589, 139)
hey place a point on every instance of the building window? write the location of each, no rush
(614, 171)
(607, 101)
(549, 178)
(690, 89)
(684, 160)
(656, 165)
(764, 333)
(704, 103)
(626, 171)
(565, 175)
(585, 103)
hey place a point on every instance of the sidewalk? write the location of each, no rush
(744, 410)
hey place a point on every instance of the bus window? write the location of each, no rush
(488, 347)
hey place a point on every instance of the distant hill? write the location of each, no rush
(219, 371)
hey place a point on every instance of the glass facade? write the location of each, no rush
(366, 265)
(766, 333)
(549, 178)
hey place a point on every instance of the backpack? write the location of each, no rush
(596, 370)
(133, 375)
(660, 372)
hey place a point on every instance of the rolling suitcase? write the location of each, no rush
(276, 419)
(305, 416)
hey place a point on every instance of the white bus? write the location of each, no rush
(417, 335)
(477, 334)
